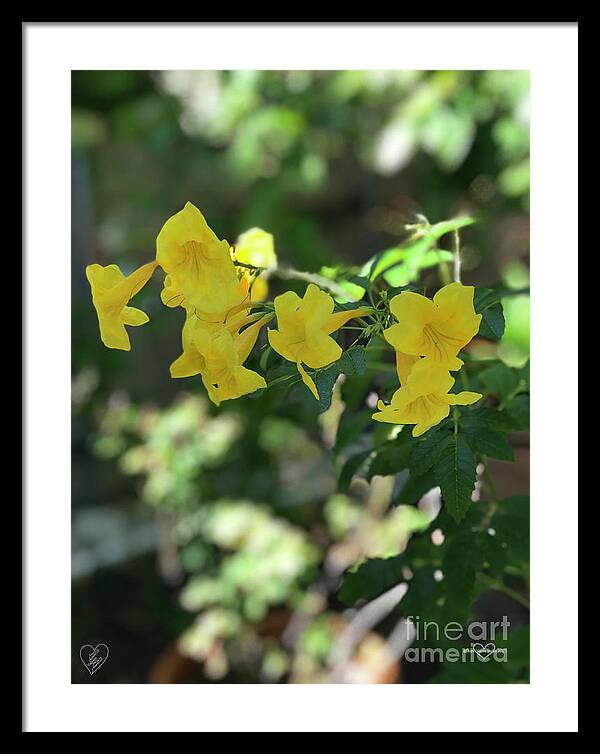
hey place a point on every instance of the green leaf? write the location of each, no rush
(396, 290)
(426, 449)
(422, 595)
(415, 487)
(455, 474)
(352, 361)
(264, 358)
(473, 673)
(518, 409)
(448, 226)
(391, 457)
(500, 380)
(351, 425)
(511, 524)
(490, 443)
(484, 439)
(401, 264)
(371, 579)
(350, 468)
(493, 553)
(389, 259)
(462, 560)
(487, 303)
(490, 417)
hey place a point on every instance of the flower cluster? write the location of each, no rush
(427, 338)
(220, 287)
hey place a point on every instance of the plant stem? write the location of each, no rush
(456, 257)
(500, 586)
(455, 416)
(287, 273)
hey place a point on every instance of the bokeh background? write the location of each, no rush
(202, 538)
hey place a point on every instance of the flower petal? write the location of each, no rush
(466, 398)
(308, 380)
(134, 317)
(320, 350)
(339, 319)
(188, 364)
(428, 377)
(404, 365)
(286, 306)
(247, 338)
(233, 384)
(317, 307)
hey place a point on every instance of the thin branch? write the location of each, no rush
(456, 256)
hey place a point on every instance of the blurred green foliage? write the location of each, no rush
(336, 165)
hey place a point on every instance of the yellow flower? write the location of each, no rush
(111, 292)
(437, 329)
(218, 357)
(200, 272)
(404, 364)
(216, 320)
(424, 400)
(256, 247)
(304, 329)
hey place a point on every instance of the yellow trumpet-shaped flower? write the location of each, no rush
(437, 329)
(404, 364)
(304, 330)
(256, 247)
(194, 340)
(111, 292)
(218, 357)
(424, 400)
(211, 322)
(200, 272)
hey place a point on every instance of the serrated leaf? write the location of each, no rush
(487, 303)
(426, 449)
(488, 442)
(492, 444)
(490, 417)
(455, 473)
(371, 579)
(352, 361)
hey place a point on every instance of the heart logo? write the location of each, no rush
(484, 652)
(93, 657)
